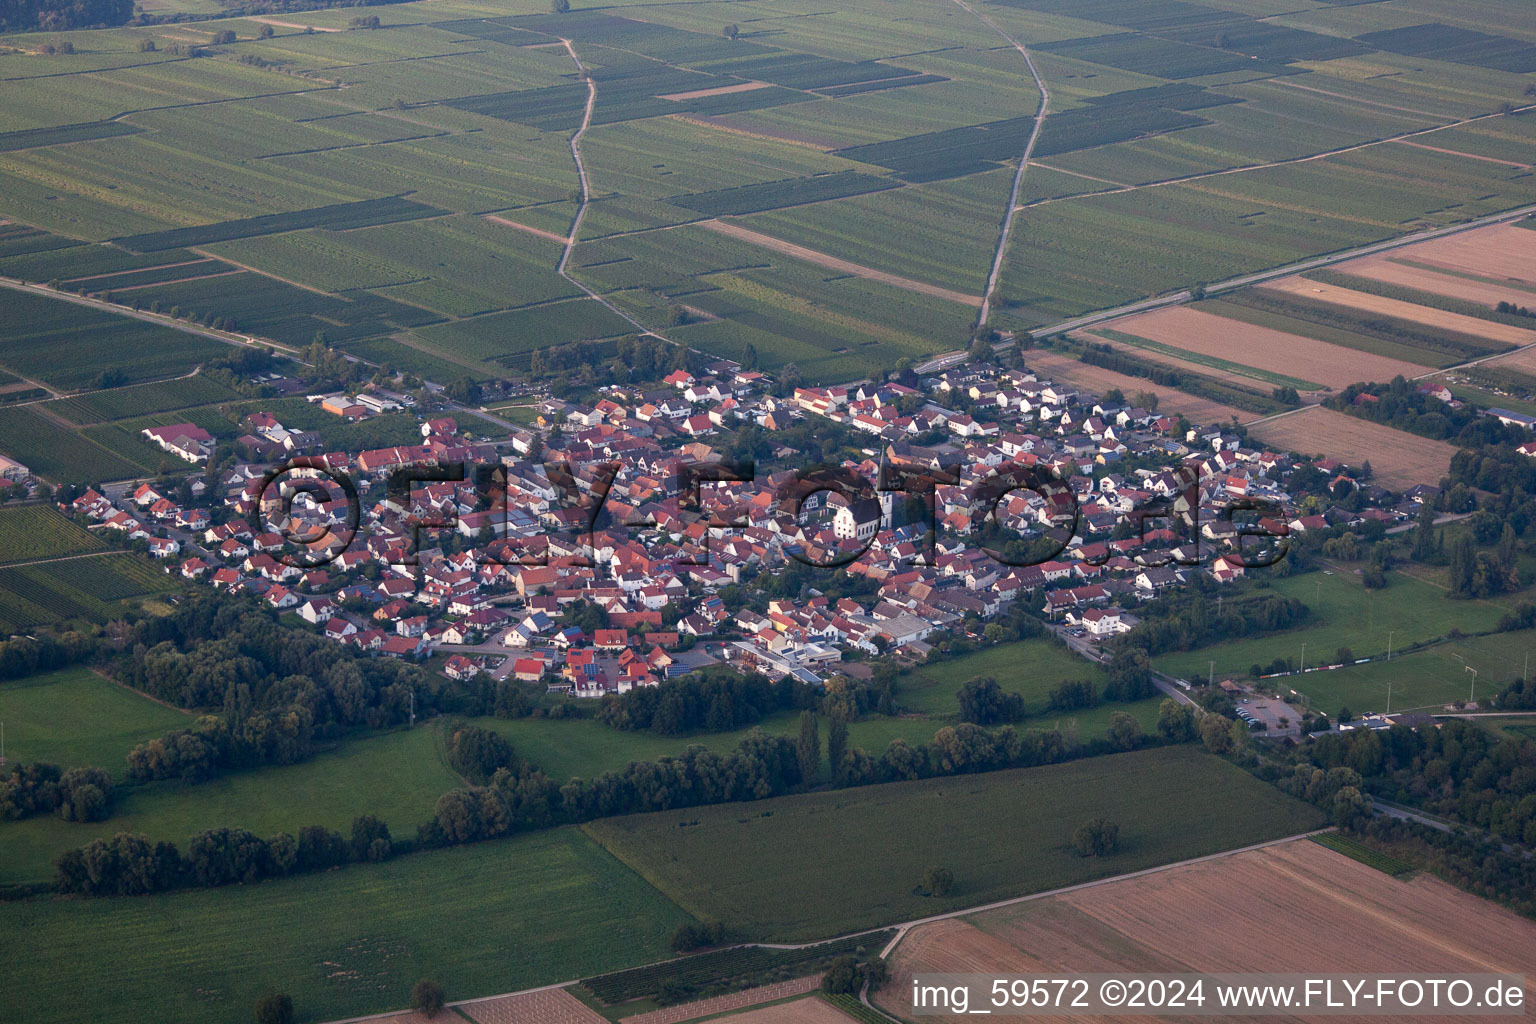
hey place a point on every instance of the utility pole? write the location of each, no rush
(413, 708)
(1303, 658)
(1390, 633)
(1212, 682)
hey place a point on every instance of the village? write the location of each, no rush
(519, 587)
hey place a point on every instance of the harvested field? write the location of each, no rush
(1503, 251)
(1221, 915)
(724, 90)
(1063, 368)
(550, 1006)
(801, 1011)
(1206, 334)
(1398, 460)
(732, 1001)
(1523, 359)
(1426, 315)
(1448, 282)
(821, 259)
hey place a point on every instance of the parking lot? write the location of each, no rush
(1269, 712)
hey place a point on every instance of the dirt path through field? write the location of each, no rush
(494, 219)
(822, 259)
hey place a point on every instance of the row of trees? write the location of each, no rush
(130, 865)
(80, 794)
(58, 15)
(1190, 618)
(716, 702)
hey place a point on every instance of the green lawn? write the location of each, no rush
(74, 717)
(1029, 667)
(397, 776)
(803, 867)
(1427, 679)
(494, 917)
(1344, 614)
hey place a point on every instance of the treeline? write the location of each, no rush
(24, 655)
(279, 690)
(1189, 618)
(1462, 858)
(716, 702)
(79, 794)
(130, 865)
(1400, 405)
(1503, 471)
(57, 15)
(1458, 770)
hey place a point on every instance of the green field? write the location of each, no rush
(789, 868)
(494, 917)
(89, 588)
(329, 790)
(39, 531)
(360, 167)
(74, 717)
(1429, 679)
(1030, 668)
(1344, 614)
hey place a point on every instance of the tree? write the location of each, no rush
(1175, 721)
(808, 748)
(427, 997)
(370, 839)
(731, 31)
(223, 37)
(837, 744)
(265, 32)
(938, 881)
(1099, 837)
(1124, 731)
(146, 46)
(274, 1009)
(560, 6)
(983, 702)
(1215, 734)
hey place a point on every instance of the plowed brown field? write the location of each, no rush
(1381, 268)
(1426, 315)
(1398, 460)
(1295, 907)
(1261, 348)
(1504, 251)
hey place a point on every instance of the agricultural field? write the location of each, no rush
(35, 532)
(140, 399)
(532, 910)
(1247, 350)
(367, 183)
(87, 588)
(36, 325)
(779, 869)
(73, 718)
(1398, 460)
(1350, 917)
(1426, 316)
(52, 449)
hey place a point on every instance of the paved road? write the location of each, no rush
(1314, 263)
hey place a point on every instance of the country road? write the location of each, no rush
(1018, 178)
